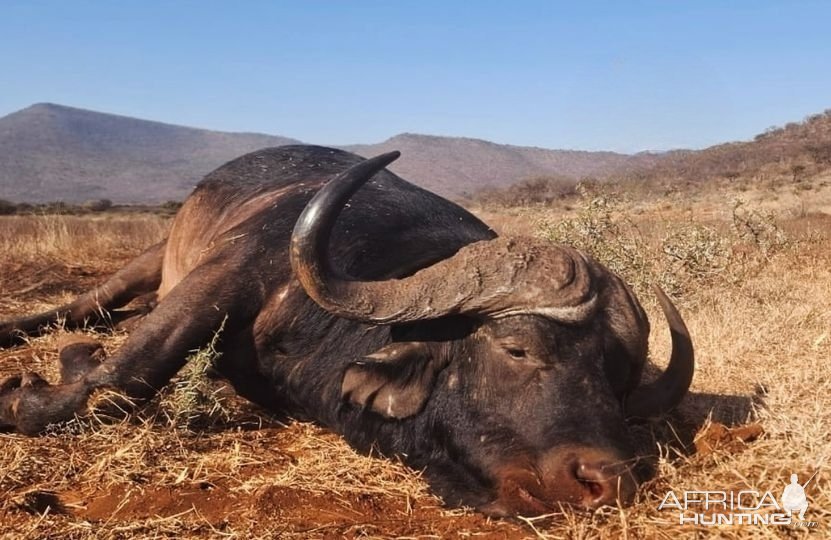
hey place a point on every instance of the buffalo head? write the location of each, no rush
(512, 367)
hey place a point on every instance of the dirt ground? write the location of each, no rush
(214, 466)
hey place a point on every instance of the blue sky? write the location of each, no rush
(624, 76)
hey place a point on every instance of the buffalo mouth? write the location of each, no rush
(533, 502)
(576, 478)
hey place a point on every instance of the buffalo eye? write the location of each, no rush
(516, 352)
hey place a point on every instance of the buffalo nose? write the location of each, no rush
(580, 476)
(603, 480)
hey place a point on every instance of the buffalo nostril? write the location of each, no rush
(603, 483)
(594, 489)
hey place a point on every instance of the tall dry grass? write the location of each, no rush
(46, 260)
(79, 239)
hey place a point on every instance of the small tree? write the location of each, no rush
(798, 172)
(98, 205)
(7, 207)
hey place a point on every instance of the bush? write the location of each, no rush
(57, 207)
(688, 257)
(172, 205)
(758, 229)
(98, 205)
(536, 190)
(614, 241)
(7, 207)
(694, 255)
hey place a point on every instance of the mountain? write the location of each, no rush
(795, 151)
(456, 166)
(50, 152)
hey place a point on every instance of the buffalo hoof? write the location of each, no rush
(13, 391)
(78, 356)
(10, 335)
(28, 403)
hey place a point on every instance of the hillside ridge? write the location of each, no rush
(52, 152)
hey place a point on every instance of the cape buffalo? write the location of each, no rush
(504, 367)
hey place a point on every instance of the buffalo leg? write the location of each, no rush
(141, 275)
(140, 307)
(184, 321)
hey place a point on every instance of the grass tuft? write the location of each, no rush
(192, 401)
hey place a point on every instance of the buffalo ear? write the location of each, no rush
(395, 381)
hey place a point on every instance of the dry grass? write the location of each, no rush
(761, 324)
(79, 239)
(47, 260)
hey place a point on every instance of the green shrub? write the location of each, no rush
(686, 258)
(193, 400)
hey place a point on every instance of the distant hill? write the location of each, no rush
(456, 166)
(789, 155)
(51, 152)
(794, 151)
